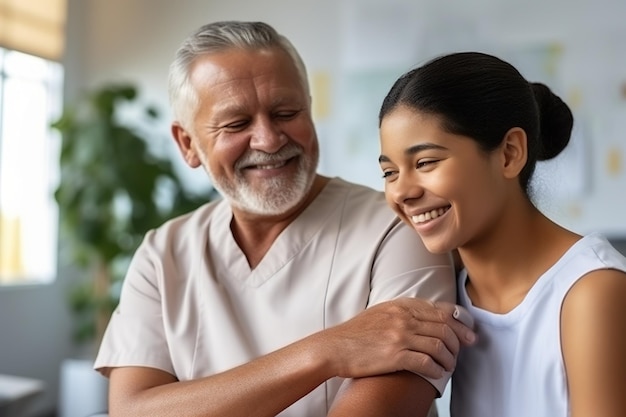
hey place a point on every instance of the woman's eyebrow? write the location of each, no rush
(412, 150)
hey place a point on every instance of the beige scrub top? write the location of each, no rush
(191, 305)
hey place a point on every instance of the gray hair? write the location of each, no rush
(219, 37)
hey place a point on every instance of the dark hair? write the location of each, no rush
(482, 97)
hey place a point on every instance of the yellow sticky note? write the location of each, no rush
(614, 161)
(321, 84)
(575, 98)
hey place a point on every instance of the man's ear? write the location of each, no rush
(187, 150)
(514, 150)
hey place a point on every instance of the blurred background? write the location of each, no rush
(353, 49)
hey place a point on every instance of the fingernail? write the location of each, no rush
(470, 337)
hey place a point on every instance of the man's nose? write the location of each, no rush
(267, 137)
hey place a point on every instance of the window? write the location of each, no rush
(30, 99)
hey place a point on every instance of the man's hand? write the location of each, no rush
(403, 334)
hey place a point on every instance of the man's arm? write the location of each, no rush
(404, 334)
(262, 387)
(392, 395)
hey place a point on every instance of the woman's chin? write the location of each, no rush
(437, 246)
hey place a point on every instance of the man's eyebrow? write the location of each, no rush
(412, 150)
(227, 108)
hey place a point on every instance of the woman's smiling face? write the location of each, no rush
(442, 184)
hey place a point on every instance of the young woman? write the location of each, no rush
(460, 137)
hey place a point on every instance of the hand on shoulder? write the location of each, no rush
(404, 334)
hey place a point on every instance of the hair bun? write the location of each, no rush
(556, 122)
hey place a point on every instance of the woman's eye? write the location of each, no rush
(388, 174)
(423, 163)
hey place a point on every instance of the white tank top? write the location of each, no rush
(516, 369)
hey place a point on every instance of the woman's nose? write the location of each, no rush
(267, 137)
(404, 188)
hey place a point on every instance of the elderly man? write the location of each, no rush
(292, 286)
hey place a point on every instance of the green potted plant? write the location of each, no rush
(112, 190)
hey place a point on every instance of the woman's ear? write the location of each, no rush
(514, 152)
(184, 143)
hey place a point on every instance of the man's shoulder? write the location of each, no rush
(198, 215)
(340, 182)
(359, 195)
(188, 226)
(363, 207)
(353, 190)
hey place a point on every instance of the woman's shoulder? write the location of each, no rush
(602, 271)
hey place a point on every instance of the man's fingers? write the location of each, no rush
(460, 321)
(422, 364)
(440, 329)
(440, 312)
(461, 314)
(435, 349)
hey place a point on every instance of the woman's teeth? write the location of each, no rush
(429, 215)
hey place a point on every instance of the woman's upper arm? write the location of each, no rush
(593, 339)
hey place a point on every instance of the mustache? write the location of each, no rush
(254, 157)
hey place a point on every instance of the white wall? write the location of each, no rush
(378, 40)
(35, 336)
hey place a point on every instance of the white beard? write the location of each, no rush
(277, 195)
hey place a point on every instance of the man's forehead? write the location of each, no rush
(244, 66)
(211, 70)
